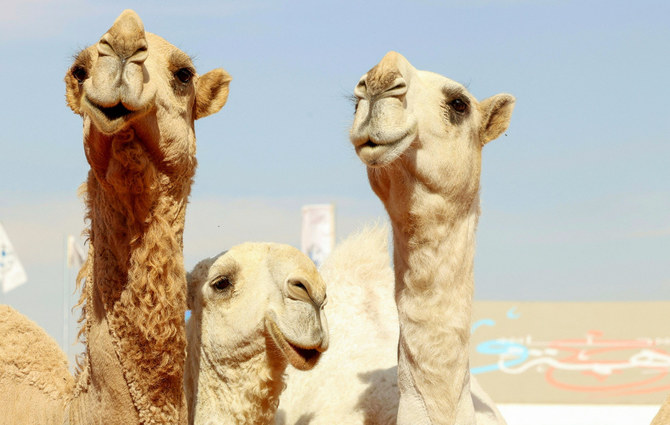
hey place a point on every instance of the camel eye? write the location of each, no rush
(459, 105)
(184, 75)
(222, 284)
(79, 73)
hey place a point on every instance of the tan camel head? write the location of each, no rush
(262, 295)
(131, 79)
(426, 123)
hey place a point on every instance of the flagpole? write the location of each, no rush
(66, 298)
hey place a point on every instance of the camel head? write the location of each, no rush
(260, 297)
(421, 123)
(135, 84)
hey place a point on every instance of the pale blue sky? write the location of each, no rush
(575, 196)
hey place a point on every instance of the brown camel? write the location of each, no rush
(138, 96)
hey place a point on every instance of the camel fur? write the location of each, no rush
(138, 96)
(420, 136)
(663, 415)
(255, 309)
(363, 323)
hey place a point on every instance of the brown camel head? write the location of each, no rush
(135, 85)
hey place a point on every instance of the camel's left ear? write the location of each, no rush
(496, 114)
(211, 92)
(195, 279)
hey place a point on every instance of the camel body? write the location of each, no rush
(356, 380)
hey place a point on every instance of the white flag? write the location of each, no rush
(11, 270)
(318, 231)
(75, 255)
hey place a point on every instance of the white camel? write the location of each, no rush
(421, 136)
(363, 325)
(255, 309)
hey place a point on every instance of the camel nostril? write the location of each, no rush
(298, 285)
(298, 289)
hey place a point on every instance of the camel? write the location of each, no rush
(255, 309)
(355, 381)
(138, 96)
(421, 136)
(663, 415)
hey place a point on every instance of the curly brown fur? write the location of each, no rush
(135, 266)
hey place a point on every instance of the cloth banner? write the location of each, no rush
(12, 273)
(318, 231)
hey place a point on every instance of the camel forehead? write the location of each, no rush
(161, 46)
(445, 85)
(280, 260)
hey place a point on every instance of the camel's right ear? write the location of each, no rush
(211, 92)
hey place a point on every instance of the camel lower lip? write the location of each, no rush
(306, 353)
(300, 358)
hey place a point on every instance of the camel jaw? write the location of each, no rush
(302, 358)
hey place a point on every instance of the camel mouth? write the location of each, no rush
(111, 119)
(302, 358)
(115, 112)
(377, 155)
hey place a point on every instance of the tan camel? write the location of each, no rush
(138, 96)
(421, 136)
(255, 309)
(663, 415)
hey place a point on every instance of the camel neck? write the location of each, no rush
(434, 259)
(241, 389)
(135, 288)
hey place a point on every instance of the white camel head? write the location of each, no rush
(255, 309)
(423, 124)
(268, 293)
(132, 79)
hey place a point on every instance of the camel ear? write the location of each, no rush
(211, 93)
(72, 93)
(191, 287)
(496, 115)
(194, 280)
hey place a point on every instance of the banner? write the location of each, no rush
(318, 231)
(571, 352)
(12, 273)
